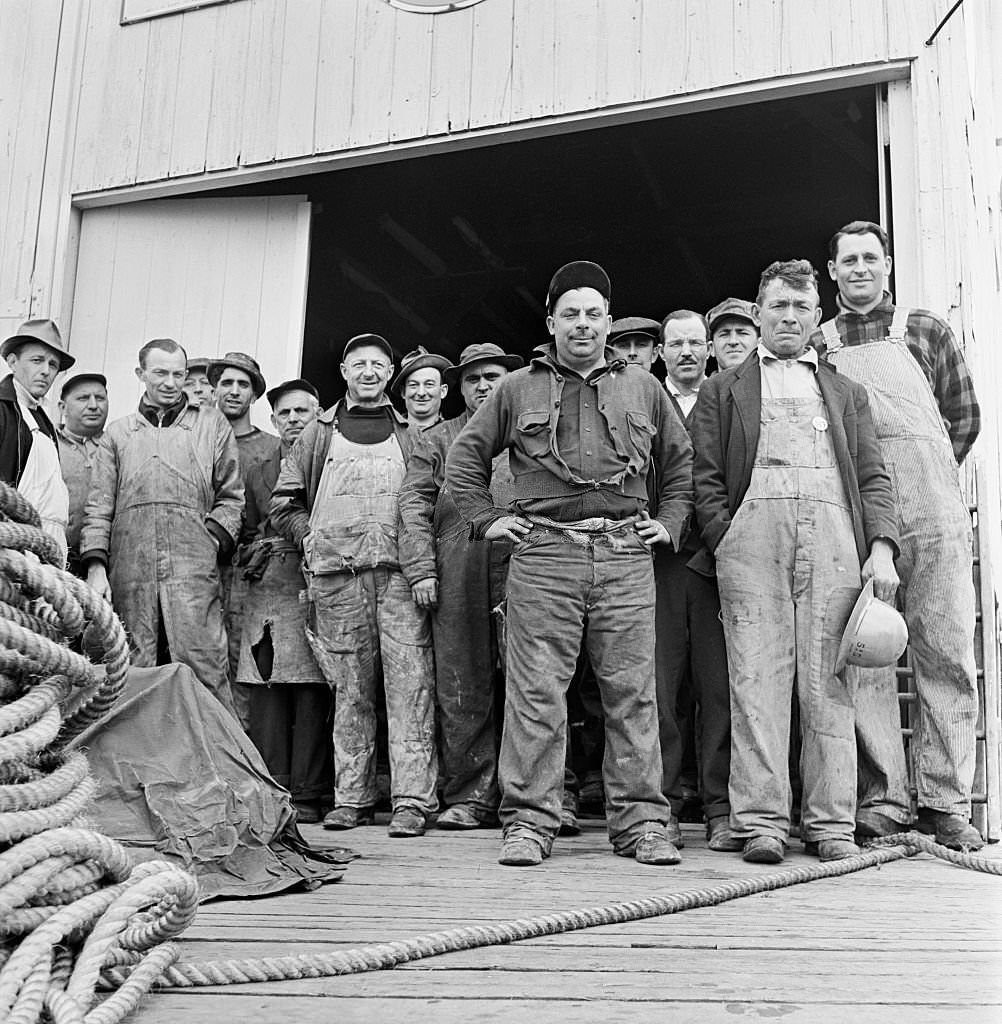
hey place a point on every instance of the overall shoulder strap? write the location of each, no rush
(899, 324)
(830, 333)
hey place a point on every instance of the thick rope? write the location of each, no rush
(71, 901)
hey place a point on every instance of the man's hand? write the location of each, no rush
(97, 579)
(880, 568)
(651, 531)
(513, 528)
(425, 592)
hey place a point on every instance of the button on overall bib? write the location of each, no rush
(363, 616)
(788, 572)
(936, 592)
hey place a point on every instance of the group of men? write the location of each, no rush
(706, 538)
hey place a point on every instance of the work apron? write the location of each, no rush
(936, 593)
(42, 484)
(788, 574)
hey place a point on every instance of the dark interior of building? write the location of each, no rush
(682, 211)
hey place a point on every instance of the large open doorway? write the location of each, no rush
(447, 249)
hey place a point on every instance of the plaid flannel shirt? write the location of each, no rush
(932, 343)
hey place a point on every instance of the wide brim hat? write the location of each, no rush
(481, 352)
(299, 384)
(734, 309)
(420, 359)
(238, 361)
(44, 332)
(875, 636)
(79, 378)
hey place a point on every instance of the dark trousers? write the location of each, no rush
(690, 651)
(290, 724)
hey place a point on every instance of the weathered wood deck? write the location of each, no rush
(912, 942)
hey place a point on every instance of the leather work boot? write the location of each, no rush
(406, 823)
(949, 830)
(342, 818)
(674, 832)
(831, 849)
(569, 815)
(523, 848)
(763, 850)
(719, 837)
(652, 848)
(459, 817)
(875, 824)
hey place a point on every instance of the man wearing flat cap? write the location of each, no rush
(733, 332)
(164, 510)
(83, 404)
(452, 577)
(336, 500)
(29, 458)
(289, 701)
(581, 435)
(196, 382)
(420, 384)
(636, 339)
(238, 383)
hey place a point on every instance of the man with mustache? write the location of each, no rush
(165, 506)
(581, 435)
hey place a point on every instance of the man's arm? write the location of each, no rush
(671, 450)
(713, 513)
(99, 513)
(418, 496)
(224, 518)
(954, 390)
(289, 511)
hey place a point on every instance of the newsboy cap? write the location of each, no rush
(81, 378)
(238, 361)
(367, 339)
(579, 274)
(46, 333)
(627, 325)
(737, 309)
(291, 385)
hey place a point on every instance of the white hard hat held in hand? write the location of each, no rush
(875, 636)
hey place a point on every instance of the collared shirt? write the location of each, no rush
(788, 378)
(685, 401)
(934, 346)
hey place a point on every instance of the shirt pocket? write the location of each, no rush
(534, 433)
(641, 430)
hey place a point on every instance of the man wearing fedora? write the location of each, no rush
(581, 435)
(164, 509)
(29, 457)
(421, 386)
(83, 405)
(336, 500)
(237, 383)
(289, 701)
(453, 579)
(794, 502)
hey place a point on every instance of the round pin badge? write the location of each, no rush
(819, 423)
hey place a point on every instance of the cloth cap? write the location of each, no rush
(44, 331)
(239, 361)
(736, 308)
(79, 378)
(579, 274)
(198, 363)
(291, 385)
(419, 359)
(367, 339)
(481, 352)
(628, 325)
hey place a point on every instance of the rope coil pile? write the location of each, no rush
(71, 901)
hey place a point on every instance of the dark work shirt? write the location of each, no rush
(159, 416)
(363, 424)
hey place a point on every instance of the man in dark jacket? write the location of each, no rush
(791, 497)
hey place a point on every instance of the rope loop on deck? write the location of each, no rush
(71, 902)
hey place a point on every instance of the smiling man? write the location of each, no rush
(733, 332)
(420, 384)
(164, 508)
(792, 498)
(927, 417)
(581, 435)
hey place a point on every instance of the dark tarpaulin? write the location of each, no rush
(178, 778)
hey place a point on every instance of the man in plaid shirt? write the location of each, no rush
(927, 417)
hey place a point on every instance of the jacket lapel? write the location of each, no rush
(746, 393)
(834, 397)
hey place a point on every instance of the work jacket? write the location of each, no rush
(15, 435)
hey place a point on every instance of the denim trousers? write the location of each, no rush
(563, 590)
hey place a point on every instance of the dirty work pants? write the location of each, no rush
(465, 664)
(289, 723)
(599, 588)
(788, 573)
(690, 652)
(360, 621)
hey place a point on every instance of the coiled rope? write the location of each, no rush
(71, 902)
(75, 916)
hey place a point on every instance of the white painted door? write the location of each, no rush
(216, 275)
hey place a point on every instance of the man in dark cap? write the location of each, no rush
(581, 435)
(196, 381)
(452, 577)
(164, 510)
(238, 383)
(289, 701)
(29, 458)
(420, 384)
(336, 500)
(733, 332)
(636, 339)
(83, 404)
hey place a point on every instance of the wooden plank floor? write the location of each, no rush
(911, 942)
